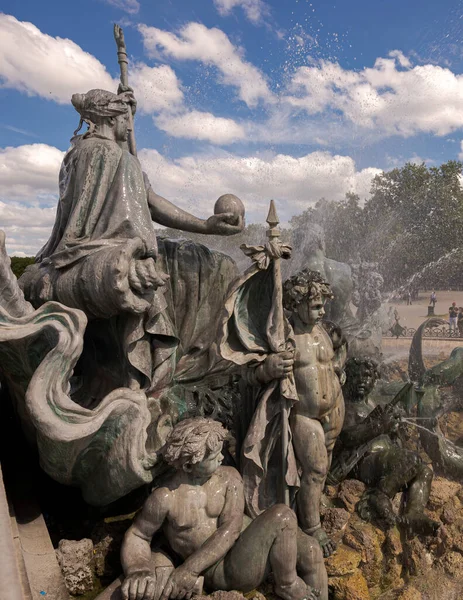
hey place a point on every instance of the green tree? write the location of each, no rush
(342, 222)
(414, 217)
(19, 264)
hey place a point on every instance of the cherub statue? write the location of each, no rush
(317, 418)
(378, 458)
(199, 508)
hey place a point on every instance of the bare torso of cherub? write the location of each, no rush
(194, 511)
(317, 384)
(204, 525)
(316, 421)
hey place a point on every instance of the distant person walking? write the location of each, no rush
(460, 321)
(433, 299)
(409, 297)
(453, 317)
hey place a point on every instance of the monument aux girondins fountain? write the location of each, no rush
(199, 430)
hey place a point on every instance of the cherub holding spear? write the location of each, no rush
(308, 363)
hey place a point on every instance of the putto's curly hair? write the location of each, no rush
(192, 440)
(352, 369)
(353, 366)
(305, 285)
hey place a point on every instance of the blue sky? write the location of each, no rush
(293, 100)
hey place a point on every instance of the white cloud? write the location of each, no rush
(194, 182)
(51, 67)
(415, 159)
(55, 68)
(28, 197)
(460, 155)
(254, 10)
(322, 100)
(401, 58)
(27, 229)
(156, 88)
(399, 160)
(19, 130)
(392, 97)
(201, 126)
(29, 184)
(211, 47)
(129, 6)
(158, 91)
(29, 171)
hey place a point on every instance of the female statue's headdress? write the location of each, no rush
(96, 104)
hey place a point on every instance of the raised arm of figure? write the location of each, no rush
(140, 581)
(360, 434)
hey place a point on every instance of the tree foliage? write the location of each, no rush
(414, 216)
(19, 264)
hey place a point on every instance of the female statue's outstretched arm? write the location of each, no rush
(167, 214)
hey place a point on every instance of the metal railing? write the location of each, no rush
(429, 332)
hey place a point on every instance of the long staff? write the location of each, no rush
(123, 64)
(273, 233)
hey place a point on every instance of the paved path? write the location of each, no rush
(393, 348)
(414, 315)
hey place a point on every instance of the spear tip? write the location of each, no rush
(272, 217)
